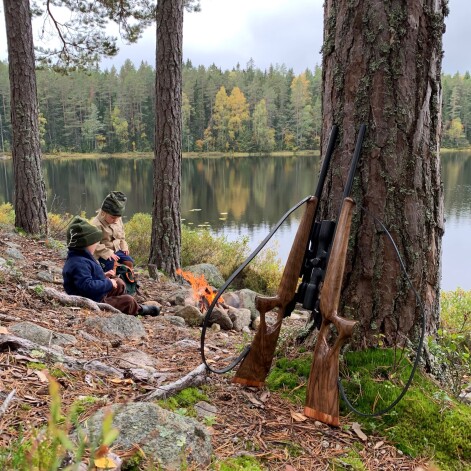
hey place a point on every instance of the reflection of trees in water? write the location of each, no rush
(456, 174)
(254, 191)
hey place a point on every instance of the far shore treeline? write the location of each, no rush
(238, 110)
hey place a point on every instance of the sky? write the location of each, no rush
(288, 32)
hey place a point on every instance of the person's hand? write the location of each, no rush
(110, 274)
(114, 283)
(126, 252)
(114, 257)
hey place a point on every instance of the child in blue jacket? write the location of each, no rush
(83, 275)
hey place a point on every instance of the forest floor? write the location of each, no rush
(257, 423)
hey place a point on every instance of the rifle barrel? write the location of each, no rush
(325, 164)
(356, 156)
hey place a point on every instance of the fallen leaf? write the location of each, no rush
(254, 400)
(289, 468)
(3, 330)
(264, 396)
(104, 463)
(125, 381)
(357, 429)
(378, 445)
(298, 417)
(42, 377)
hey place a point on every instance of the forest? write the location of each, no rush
(241, 110)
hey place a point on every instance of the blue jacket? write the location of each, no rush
(83, 276)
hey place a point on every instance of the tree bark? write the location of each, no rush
(30, 190)
(381, 67)
(166, 231)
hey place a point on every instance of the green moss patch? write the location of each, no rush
(426, 422)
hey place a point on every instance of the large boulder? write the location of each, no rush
(118, 325)
(169, 439)
(41, 335)
(211, 273)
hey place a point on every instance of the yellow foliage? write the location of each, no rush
(7, 214)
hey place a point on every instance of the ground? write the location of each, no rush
(251, 422)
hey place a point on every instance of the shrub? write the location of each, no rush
(201, 246)
(138, 231)
(7, 214)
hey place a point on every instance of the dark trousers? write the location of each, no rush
(123, 259)
(123, 302)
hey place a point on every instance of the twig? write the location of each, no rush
(7, 401)
(195, 377)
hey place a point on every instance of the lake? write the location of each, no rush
(240, 196)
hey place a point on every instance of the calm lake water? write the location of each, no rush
(240, 196)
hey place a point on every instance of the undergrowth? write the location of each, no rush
(202, 246)
(427, 422)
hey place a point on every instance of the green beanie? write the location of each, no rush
(114, 203)
(81, 233)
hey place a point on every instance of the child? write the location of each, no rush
(83, 275)
(113, 247)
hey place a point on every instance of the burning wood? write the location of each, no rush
(202, 292)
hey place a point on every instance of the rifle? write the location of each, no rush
(257, 362)
(322, 401)
(309, 258)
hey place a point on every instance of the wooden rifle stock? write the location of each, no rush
(322, 401)
(255, 366)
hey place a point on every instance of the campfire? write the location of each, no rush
(202, 292)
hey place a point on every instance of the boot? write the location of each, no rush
(146, 310)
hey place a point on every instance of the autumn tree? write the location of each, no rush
(30, 191)
(381, 66)
(166, 231)
(263, 135)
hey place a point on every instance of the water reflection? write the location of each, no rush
(240, 196)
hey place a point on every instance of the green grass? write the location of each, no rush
(427, 422)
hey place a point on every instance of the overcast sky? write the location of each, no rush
(270, 32)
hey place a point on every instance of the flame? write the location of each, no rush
(200, 287)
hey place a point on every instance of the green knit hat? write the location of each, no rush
(114, 203)
(81, 233)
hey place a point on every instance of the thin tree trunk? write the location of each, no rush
(166, 231)
(381, 66)
(30, 191)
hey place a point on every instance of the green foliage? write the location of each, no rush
(241, 463)
(451, 347)
(352, 461)
(183, 402)
(80, 406)
(138, 231)
(7, 214)
(200, 246)
(48, 447)
(426, 421)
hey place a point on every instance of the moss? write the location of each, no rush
(352, 461)
(426, 422)
(32, 365)
(241, 463)
(80, 406)
(184, 401)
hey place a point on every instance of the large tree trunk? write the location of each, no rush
(30, 192)
(166, 232)
(381, 67)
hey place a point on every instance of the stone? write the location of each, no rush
(177, 320)
(231, 299)
(211, 273)
(240, 318)
(204, 409)
(247, 300)
(118, 325)
(220, 316)
(191, 314)
(41, 335)
(170, 439)
(14, 253)
(136, 359)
